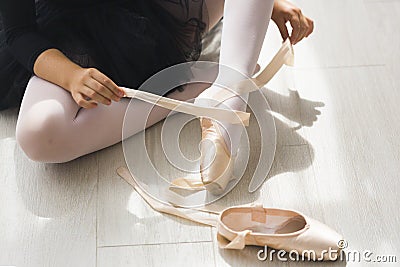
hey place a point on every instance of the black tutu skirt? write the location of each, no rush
(128, 40)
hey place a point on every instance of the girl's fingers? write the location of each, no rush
(82, 102)
(283, 29)
(89, 92)
(284, 12)
(106, 82)
(100, 89)
(311, 26)
(295, 22)
(304, 27)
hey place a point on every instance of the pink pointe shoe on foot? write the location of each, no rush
(216, 165)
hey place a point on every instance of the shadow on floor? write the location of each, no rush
(293, 108)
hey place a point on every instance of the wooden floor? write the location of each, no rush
(338, 160)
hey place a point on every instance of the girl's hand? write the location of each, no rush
(285, 11)
(88, 86)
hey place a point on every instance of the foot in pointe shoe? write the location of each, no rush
(216, 167)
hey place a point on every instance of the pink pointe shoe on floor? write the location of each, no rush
(255, 225)
(287, 230)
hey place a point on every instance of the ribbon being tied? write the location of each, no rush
(216, 177)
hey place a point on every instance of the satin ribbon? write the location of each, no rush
(284, 56)
(209, 215)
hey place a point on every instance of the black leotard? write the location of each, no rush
(128, 40)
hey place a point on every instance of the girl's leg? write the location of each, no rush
(243, 33)
(51, 127)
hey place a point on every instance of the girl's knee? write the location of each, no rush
(41, 132)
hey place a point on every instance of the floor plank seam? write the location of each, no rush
(379, 1)
(292, 145)
(97, 206)
(156, 244)
(341, 67)
(213, 246)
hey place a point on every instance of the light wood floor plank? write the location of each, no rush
(356, 145)
(125, 219)
(291, 184)
(385, 14)
(183, 254)
(342, 36)
(47, 212)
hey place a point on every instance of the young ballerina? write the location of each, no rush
(72, 56)
(245, 26)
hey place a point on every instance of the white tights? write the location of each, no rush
(51, 127)
(243, 33)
